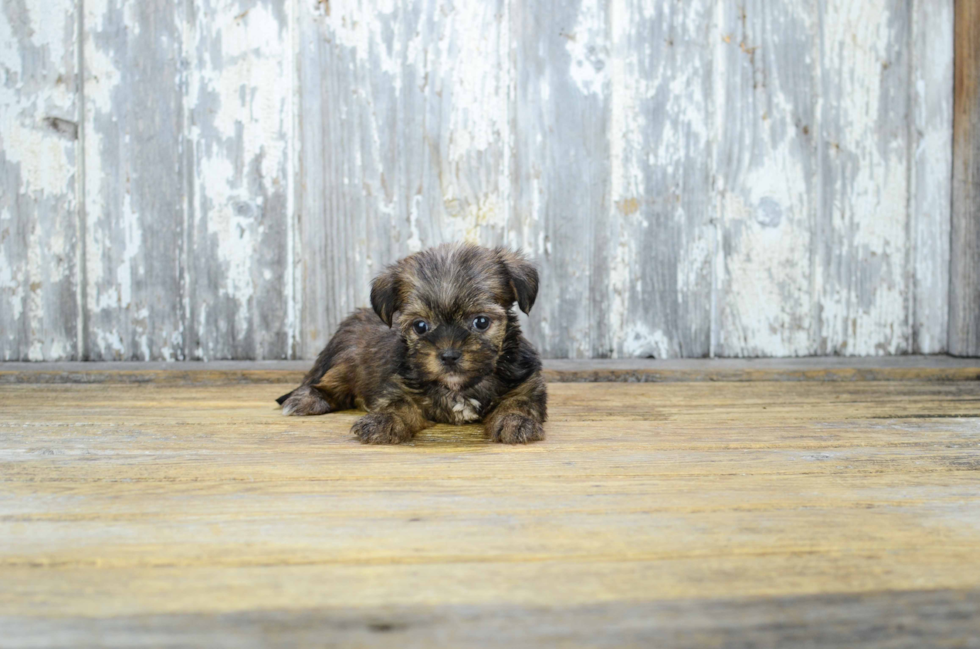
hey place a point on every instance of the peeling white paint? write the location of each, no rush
(133, 183)
(294, 297)
(101, 74)
(473, 86)
(478, 110)
(239, 105)
(37, 181)
(588, 48)
(635, 149)
(659, 121)
(12, 287)
(764, 211)
(625, 140)
(359, 28)
(132, 252)
(931, 183)
(45, 161)
(414, 239)
(869, 207)
(695, 266)
(642, 342)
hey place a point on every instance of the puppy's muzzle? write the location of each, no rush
(450, 357)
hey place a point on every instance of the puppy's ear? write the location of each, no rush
(386, 294)
(523, 278)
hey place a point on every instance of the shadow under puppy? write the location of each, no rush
(442, 345)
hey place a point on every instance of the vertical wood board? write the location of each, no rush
(239, 130)
(964, 299)
(38, 171)
(134, 171)
(562, 163)
(931, 181)
(765, 128)
(655, 241)
(862, 226)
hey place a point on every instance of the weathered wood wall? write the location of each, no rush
(221, 178)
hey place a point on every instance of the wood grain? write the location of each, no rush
(964, 302)
(910, 619)
(124, 507)
(39, 170)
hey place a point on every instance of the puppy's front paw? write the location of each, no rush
(381, 428)
(515, 429)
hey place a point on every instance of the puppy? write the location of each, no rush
(442, 345)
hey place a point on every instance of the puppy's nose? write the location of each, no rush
(450, 356)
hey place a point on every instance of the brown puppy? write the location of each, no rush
(442, 345)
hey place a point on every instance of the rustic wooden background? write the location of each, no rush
(210, 179)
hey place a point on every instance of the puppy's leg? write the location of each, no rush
(394, 423)
(306, 400)
(332, 392)
(518, 417)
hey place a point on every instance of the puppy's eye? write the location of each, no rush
(481, 322)
(420, 327)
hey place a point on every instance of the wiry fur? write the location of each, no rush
(378, 362)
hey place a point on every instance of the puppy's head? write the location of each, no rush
(452, 305)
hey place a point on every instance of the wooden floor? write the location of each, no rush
(682, 514)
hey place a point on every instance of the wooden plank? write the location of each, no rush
(841, 368)
(405, 131)
(862, 227)
(134, 179)
(765, 164)
(39, 153)
(561, 166)
(654, 252)
(931, 158)
(783, 512)
(964, 299)
(239, 103)
(945, 618)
